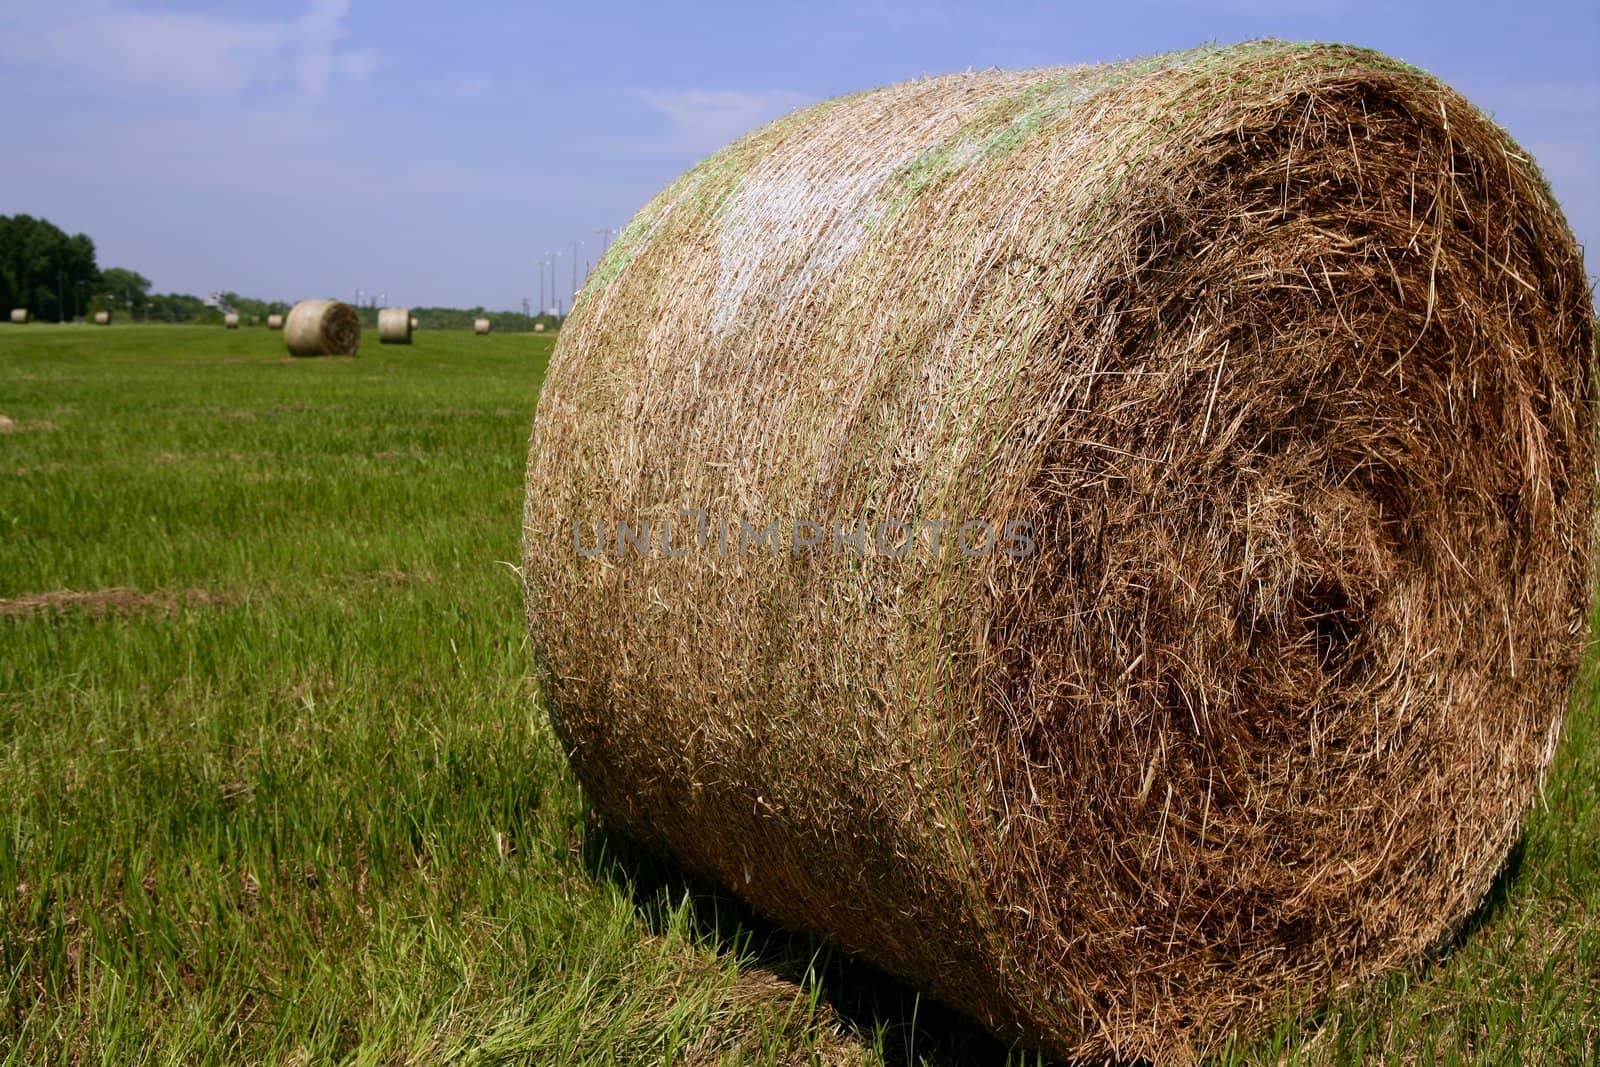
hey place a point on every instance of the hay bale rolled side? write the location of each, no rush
(102, 318)
(322, 328)
(1255, 708)
(394, 326)
(274, 322)
(230, 320)
(480, 326)
(19, 315)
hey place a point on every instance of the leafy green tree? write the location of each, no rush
(125, 289)
(43, 269)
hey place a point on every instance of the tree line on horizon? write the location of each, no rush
(54, 275)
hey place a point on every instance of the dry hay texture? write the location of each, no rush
(481, 326)
(102, 318)
(274, 322)
(394, 326)
(19, 315)
(322, 328)
(1282, 350)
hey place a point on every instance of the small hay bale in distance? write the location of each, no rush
(394, 326)
(480, 326)
(274, 322)
(19, 315)
(322, 328)
(102, 318)
(538, 327)
(231, 320)
(1309, 481)
(415, 322)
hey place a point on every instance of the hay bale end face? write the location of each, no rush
(274, 322)
(394, 326)
(231, 320)
(102, 318)
(1281, 353)
(19, 315)
(480, 326)
(322, 328)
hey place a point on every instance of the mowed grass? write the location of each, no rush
(275, 788)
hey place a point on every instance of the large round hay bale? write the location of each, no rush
(1280, 352)
(322, 328)
(19, 315)
(274, 322)
(480, 326)
(231, 320)
(394, 326)
(102, 318)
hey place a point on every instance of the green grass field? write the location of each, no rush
(276, 790)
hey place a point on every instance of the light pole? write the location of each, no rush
(575, 246)
(541, 287)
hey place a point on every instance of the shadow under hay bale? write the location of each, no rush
(1282, 354)
(916, 1030)
(322, 328)
(394, 326)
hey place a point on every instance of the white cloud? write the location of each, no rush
(700, 120)
(111, 41)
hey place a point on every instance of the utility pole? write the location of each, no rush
(575, 246)
(541, 287)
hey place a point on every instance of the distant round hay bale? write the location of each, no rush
(415, 322)
(322, 328)
(1282, 353)
(538, 327)
(394, 326)
(231, 320)
(274, 322)
(480, 325)
(19, 315)
(102, 318)
(255, 320)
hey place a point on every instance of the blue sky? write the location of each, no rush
(437, 152)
